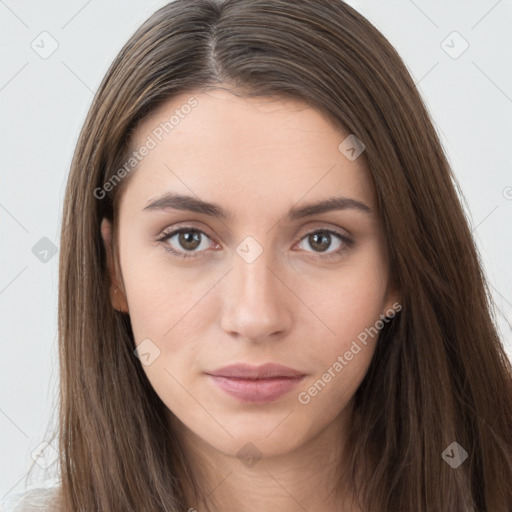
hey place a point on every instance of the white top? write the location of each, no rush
(39, 499)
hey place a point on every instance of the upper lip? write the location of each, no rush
(264, 371)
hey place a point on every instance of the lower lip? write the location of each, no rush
(256, 391)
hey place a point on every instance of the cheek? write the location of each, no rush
(167, 317)
(350, 305)
(352, 299)
(159, 294)
(164, 324)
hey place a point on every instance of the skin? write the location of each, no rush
(257, 158)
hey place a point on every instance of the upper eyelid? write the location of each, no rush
(167, 234)
(322, 226)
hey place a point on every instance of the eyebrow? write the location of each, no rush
(172, 201)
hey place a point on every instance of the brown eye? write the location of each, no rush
(189, 240)
(322, 240)
(185, 242)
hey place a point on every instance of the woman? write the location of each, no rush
(269, 293)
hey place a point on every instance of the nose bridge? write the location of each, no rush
(254, 281)
(254, 306)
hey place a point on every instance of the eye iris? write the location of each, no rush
(189, 239)
(323, 236)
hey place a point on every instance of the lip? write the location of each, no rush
(256, 384)
(248, 371)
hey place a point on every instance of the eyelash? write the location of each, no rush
(347, 243)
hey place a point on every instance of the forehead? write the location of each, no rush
(252, 153)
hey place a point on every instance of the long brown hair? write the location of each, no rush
(439, 374)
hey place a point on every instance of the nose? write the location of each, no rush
(256, 304)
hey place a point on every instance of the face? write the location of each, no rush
(257, 276)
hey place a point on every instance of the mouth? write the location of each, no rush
(256, 384)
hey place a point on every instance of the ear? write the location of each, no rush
(117, 294)
(393, 301)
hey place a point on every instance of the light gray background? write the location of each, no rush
(43, 103)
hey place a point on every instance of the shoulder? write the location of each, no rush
(39, 499)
